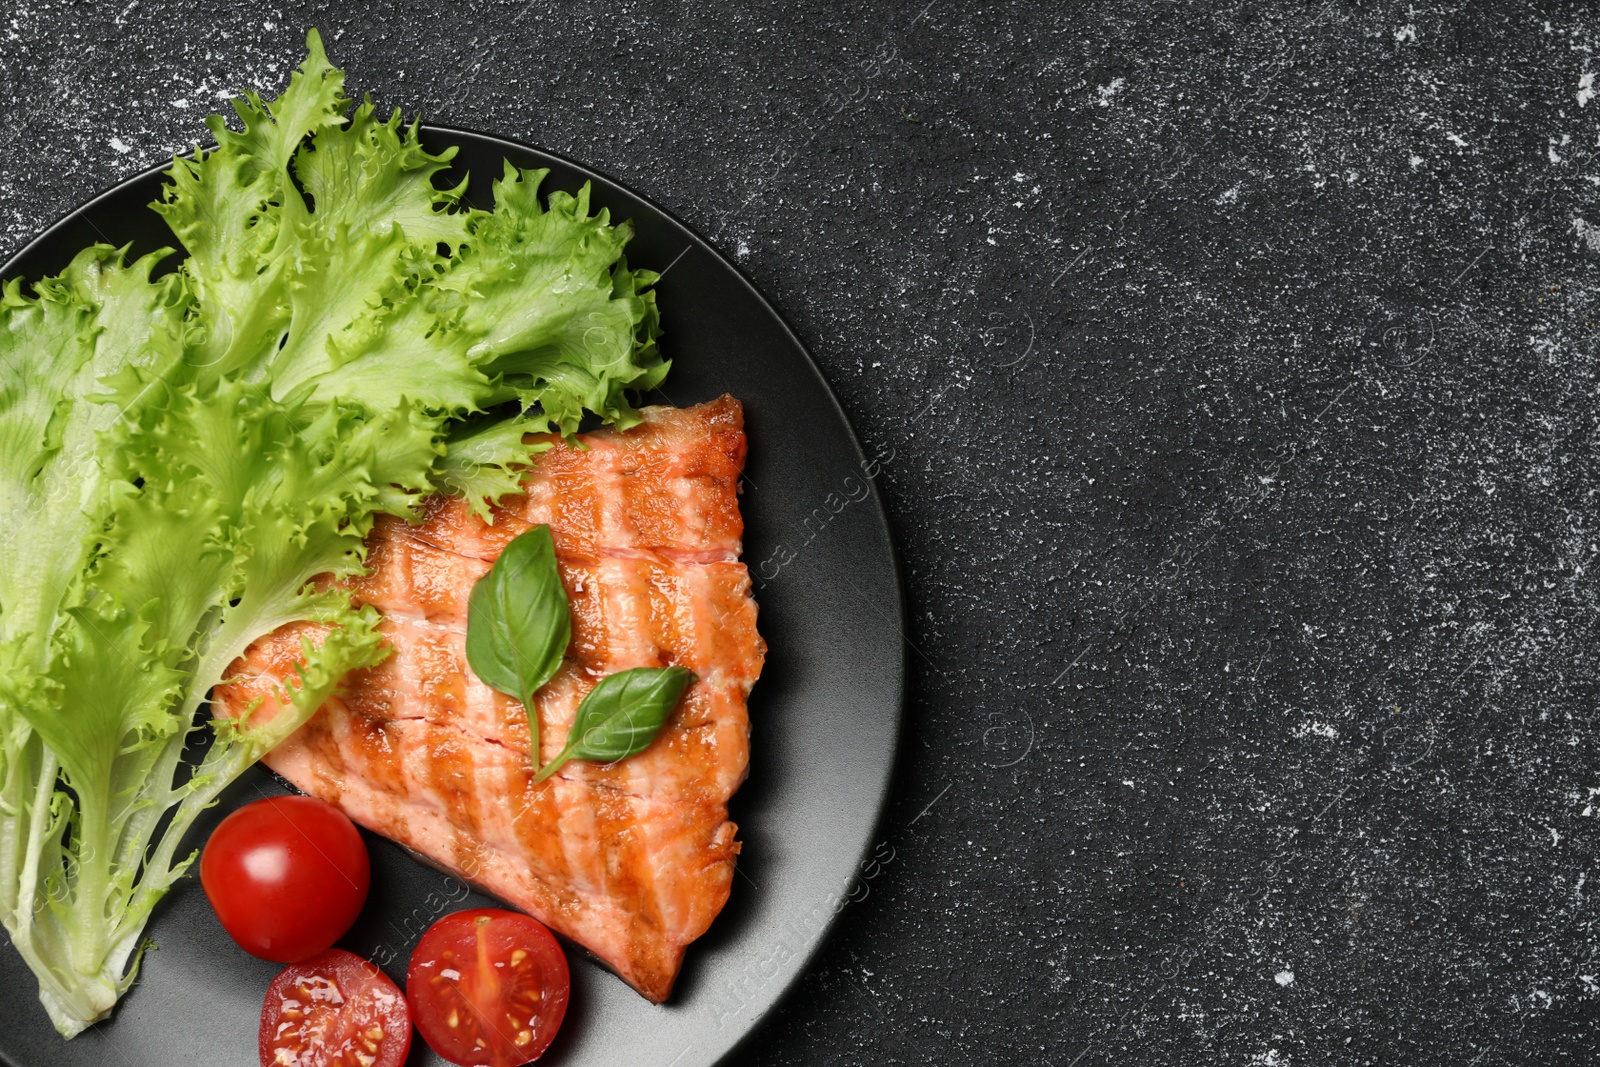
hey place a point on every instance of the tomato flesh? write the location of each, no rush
(488, 988)
(286, 876)
(334, 1010)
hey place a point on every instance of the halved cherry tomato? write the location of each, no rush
(286, 876)
(488, 988)
(334, 1010)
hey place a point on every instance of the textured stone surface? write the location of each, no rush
(1240, 374)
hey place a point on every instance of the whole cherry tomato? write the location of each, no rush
(286, 876)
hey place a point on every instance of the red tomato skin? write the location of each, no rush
(366, 990)
(458, 942)
(287, 876)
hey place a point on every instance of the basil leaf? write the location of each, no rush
(621, 715)
(518, 624)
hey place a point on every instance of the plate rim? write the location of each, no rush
(45, 237)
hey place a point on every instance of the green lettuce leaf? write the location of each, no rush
(484, 460)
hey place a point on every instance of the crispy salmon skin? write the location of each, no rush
(632, 860)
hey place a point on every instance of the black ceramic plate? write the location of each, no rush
(825, 715)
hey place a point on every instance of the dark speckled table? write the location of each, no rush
(1239, 375)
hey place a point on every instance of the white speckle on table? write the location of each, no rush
(1314, 728)
(1228, 196)
(1585, 89)
(1407, 32)
(118, 145)
(1589, 235)
(1588, 809)
(1284, 978)
(1109, 91)
(1416, 161)
(1455, 139)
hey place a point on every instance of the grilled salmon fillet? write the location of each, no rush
(631, 860)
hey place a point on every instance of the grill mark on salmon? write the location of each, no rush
(633, 860)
